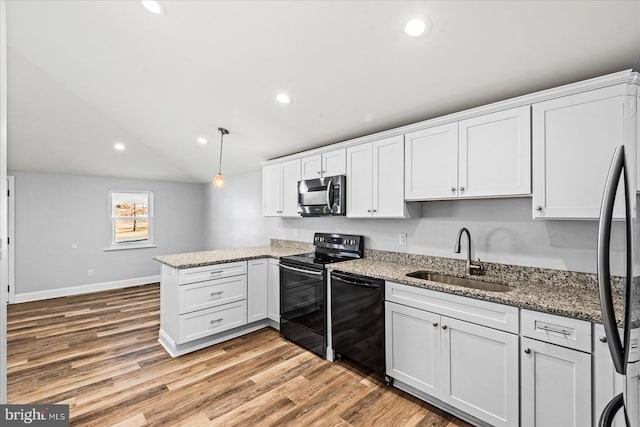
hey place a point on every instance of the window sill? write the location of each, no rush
(127, 247)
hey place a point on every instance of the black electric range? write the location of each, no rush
(303, 288)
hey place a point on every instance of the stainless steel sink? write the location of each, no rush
(460, 281)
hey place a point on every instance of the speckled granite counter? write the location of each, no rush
(565, 299)
(565, 293)
(198, 259)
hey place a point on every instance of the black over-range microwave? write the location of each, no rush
(322, 196)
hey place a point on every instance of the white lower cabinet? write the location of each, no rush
(480, 371)
(273, 290)
(469, 367)
(413, 347)
(555, 385)
(257, 289)
(607, 383)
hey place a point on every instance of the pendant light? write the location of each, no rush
(218, 181)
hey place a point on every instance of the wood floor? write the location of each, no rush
(99, 354)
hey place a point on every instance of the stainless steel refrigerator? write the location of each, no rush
(622, 346)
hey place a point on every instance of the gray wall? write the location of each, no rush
(52, 212)
(501, 229)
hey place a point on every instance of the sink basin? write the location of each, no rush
(460, 281)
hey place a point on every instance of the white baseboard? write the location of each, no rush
(84, 289)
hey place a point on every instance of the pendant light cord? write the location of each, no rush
(221, 141)
(223, 132)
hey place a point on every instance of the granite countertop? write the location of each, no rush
(559, 298)
(560, 292)
(198, 259)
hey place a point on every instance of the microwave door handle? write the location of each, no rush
(604, 276)
(329, 193)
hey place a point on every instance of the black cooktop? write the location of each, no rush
(330, 248)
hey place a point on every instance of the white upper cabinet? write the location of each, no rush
(280, 189)
(431, 163)
(375, 179)
(495, 154)
(486, 156)
(330, 163)
(573, 142)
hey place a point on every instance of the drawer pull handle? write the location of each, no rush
(216, 293)
(216, 320)
(216, 272)
(557, 331)
(603, 339)
(528, 351)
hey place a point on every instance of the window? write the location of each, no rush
(131, 219)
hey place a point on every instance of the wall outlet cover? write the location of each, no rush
(402, 239)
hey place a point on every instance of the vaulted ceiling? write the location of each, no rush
(85, 74)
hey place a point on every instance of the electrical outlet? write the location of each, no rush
(402, 239)
(91, 272)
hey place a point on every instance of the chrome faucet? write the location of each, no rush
(471, 268)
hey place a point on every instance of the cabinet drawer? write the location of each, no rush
(497, 316)
(203, 323)
(571, 333)
(201, 295)
(208, 272)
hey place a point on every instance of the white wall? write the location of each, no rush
(52, 212)
(501, 229)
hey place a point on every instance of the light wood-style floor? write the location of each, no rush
(99, 354)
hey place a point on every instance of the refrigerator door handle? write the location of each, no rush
(610, 411)
(617, 168)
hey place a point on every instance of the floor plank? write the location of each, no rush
(99, 354)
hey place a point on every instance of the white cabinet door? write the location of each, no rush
(311, 167)
(334, 162)
(495, 154)
(431, 163)
(273, 291)
(257, 289)
(607, 383)
(359, 181)
(272, 190)
(290, 178)
(573, 141)
(555, 385)
(480, 371)
(388, 178)
(412, 347)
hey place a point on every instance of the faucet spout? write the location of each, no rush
(471, 268)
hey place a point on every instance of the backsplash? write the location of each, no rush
(292, 244)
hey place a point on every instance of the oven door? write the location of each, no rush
(303, 310)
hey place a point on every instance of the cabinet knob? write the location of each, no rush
(319, 172)
(444, 326)
(435, 324)
(453, 189)
(538, 208)
(603, 339)
(369, 210)
(375, 210)
(528, 351)
(461, 188)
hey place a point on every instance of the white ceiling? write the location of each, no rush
(83, 74)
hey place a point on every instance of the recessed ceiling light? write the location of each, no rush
(153, 6)
(283, 98)
(416, 27)
(119, 146)
(202, 140)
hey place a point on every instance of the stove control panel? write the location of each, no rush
(342, 242)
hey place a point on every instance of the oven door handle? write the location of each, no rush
(300, 270)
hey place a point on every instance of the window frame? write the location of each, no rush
(148, 243)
